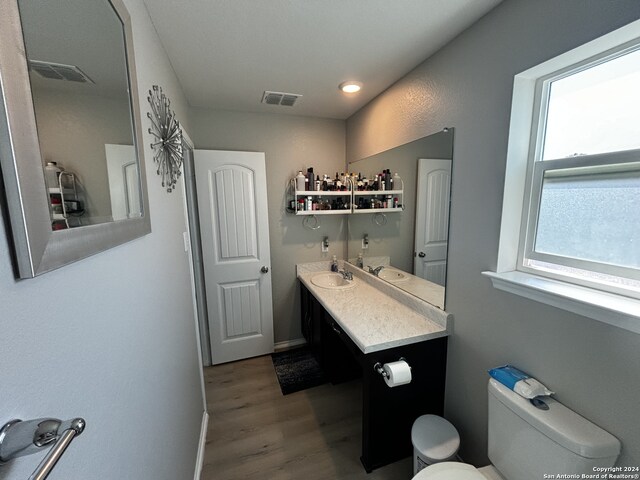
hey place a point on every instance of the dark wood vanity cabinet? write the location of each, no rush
(325, 338)
(312, 312)
(387, 413)
(339, 361)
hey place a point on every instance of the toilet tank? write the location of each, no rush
(526, 442)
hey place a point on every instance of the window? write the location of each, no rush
(583, 213)
(571, 214)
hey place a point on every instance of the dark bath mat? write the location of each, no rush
(297, 370)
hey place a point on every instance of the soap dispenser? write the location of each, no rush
(334, 264)
(360, 261)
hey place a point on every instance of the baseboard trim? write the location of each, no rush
(201, 446)
(287, 344)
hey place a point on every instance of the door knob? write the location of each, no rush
(264, 269)
(422, 255)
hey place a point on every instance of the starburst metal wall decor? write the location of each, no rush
(167, 144)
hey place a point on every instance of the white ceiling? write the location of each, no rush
(227, 52)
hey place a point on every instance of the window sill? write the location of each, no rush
(617, 310)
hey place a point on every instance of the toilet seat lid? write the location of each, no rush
(450, 471)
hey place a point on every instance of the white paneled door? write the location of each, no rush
(432, 219)
(234, 229)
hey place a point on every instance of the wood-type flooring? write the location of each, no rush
(256, 433)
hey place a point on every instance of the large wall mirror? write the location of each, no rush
(70, 141)
(409, 248)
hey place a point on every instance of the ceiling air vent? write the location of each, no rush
(280, 98)
(58, 71)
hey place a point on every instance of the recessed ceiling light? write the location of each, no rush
(350, 87)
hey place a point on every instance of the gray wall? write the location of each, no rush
(111, 338)
(290, 144)
(593, 367)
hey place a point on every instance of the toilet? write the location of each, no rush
(527, 442)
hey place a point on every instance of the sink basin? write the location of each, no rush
(332, 280)
(392, 275)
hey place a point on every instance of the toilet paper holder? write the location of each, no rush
(379, 368)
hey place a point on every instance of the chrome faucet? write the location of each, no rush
(376, 270)
(346, 275)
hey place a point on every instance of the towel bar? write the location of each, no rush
(19, 438)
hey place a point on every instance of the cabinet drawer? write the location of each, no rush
(344, 338)
(339, 362)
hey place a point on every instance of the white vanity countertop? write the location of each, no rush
(373, 320)
(431, 292)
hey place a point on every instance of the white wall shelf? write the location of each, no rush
(324, 212)
(320, 193)
(350, 201)
(58, 198)
(359, 193)
(359, 211)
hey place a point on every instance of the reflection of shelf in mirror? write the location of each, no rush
(376, 210)
(324, 212)
(316, 193)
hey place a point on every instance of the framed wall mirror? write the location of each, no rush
(411, 245)
(70, 134)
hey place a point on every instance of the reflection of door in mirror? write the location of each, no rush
(432, 219)
(122, 169)
(80, 91)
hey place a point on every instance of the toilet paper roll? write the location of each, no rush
(398, 373)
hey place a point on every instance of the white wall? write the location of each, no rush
(593, 367)
(111, 338)
(290, 143)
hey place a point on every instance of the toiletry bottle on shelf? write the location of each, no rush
(317, 183)
(312, 179)
(360, 261)
(397, 181)
(51, 173)
(300, 181)
(334, 264)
